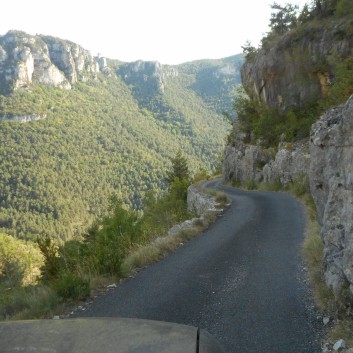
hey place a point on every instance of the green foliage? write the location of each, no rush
(342, 87)
(267, 126)
(250, 185)
(114, 237)
(300, 186)
(180, 169)
(31, 302)
(71, 287)
(344, 8)
(57, 174)
(19, 262)
(284, 18)
(51, 267)
(214, 81)
(249, 51)
(323, 8)
(201, 175)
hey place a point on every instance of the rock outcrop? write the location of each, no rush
(291, 163)
(328, 164)
(199, 202)
(331, 184)
(149, 74)
(243, 162)
(25, 59)
(297, 67)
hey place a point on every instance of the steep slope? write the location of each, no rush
(76, 129)
(291, 82)
(300, 66)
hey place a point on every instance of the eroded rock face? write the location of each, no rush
(70, 58)
(295, 70)
(331, 184)
(151, 73)
(291, 162)
(199, 202)
(25, 59)
(243, 162)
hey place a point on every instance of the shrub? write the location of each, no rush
(19, 261)
(72, 287)
(300, 186)
(250, 185)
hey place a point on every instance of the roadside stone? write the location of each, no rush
(339, 345)
(326, 320)
(112, 286)
(326, 348)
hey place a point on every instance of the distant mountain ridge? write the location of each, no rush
(92, 126)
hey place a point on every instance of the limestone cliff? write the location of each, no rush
(331, 183)
(327, 162)
(244, 162)
(149, 74)
(297, 70)
(25, 59)
(299, 65)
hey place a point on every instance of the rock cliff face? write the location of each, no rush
(151, 74)
(199, 202)
(331, 183)
(25, 59)
(297, 67)
(291, 163)
(243, 162)
(328, 164)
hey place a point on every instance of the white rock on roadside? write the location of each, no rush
(339, 345)
(326, 320)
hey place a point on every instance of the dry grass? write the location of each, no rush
(162, 246)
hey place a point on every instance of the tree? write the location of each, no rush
(305, 15)
(323, 8)
(249, 50)
(180, 169)
(284, 18)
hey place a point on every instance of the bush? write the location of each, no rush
(19, 261)
(250, 185)
(300, 186)
(72, 287)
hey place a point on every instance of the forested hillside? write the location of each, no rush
(113, 134)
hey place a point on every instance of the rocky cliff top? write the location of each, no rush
(25, 59)
(298, 66)
(148, 73)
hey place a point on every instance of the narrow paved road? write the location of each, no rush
(242, 280)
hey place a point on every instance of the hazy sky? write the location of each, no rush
(168, 31)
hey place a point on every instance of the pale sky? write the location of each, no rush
(168, 31)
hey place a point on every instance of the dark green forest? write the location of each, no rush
(104, 137)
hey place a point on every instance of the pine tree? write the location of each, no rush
(180, 169)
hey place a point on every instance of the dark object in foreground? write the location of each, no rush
(104, 335)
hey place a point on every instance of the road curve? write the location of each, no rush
(242, 280)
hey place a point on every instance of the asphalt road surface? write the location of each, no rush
(242, 280)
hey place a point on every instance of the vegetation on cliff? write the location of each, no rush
(318, 78)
